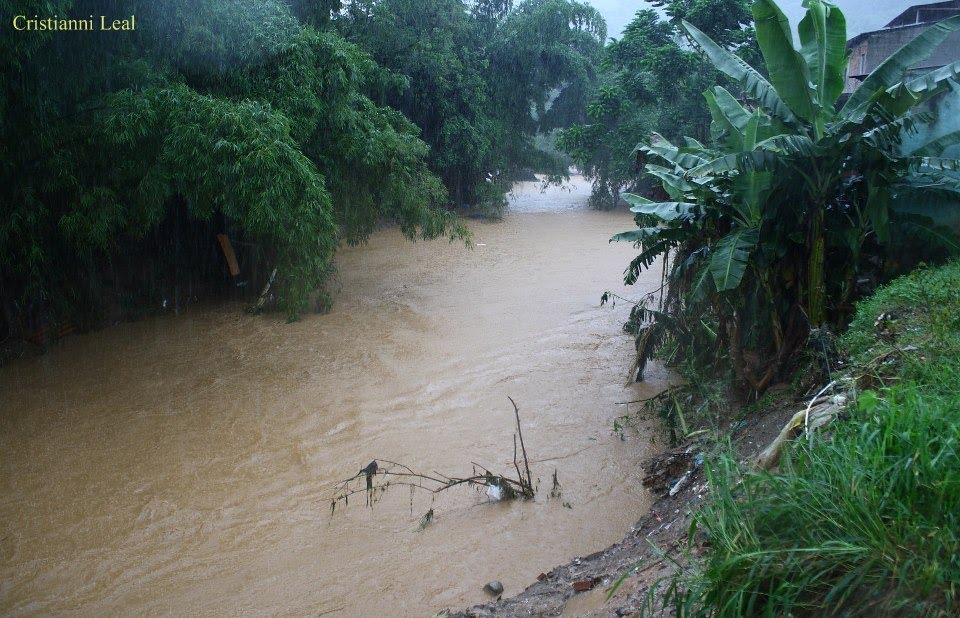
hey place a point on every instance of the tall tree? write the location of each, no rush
(434, 45)
(480, 79)
(652, 78)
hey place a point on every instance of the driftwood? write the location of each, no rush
(264, 295)
(380, 474)
(821, 410)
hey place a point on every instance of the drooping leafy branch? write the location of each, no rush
(210, 117)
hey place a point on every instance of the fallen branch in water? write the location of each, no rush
(381, 474)
(264, 295)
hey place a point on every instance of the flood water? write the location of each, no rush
(184, 465)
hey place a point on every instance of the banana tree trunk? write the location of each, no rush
(816, 281)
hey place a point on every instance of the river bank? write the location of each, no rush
(859, 517)
(645, 555)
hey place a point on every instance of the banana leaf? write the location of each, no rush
(754, 160)
(729, 261)
(642, 234)
(936, 146)
(673, 184)
(752, 82)
(729, 117)
(665, 211)
(789, 74)
(791, 145)
(823, 45)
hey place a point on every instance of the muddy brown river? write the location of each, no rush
(184, 465)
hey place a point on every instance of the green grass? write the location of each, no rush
(866, 520)
(921, 336)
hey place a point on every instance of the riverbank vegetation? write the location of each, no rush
(287, 126)
(772, 230)
(861, 521)
(799, 202)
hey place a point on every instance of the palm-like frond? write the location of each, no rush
(749, 78)
(665, 211)
(789, 73)
(731, 258)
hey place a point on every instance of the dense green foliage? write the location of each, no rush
(652, 79)
(791, 187)
(864, 523)
(211, 116)
(480, 83)
(287, 125)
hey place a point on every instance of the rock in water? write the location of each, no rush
(494, 588)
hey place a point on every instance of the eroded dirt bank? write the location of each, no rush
(581, 586)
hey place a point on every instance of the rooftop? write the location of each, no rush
(926, 13)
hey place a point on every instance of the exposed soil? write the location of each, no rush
(581, 587)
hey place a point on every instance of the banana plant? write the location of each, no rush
(794, 183)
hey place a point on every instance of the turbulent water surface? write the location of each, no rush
(184, 465)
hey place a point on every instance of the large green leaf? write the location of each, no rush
(936, 163)
(666, 211)
(800, 145)
(750, 80)
(727, 107)
(788, 70)
(902, 96)
(646, 258)
(729, 117)
(750, 131)
(893, 69)
(935, 80)
(892, 102)
(701, 285)
(675, 186)
(937, 198)
(684, 158)
(752, 188)
(936, 146)
(642, 234)
(754, 160)
(933, 234)
(823, 44)
(729, 261)
(878, 210)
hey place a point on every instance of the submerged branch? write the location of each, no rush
(380, 474)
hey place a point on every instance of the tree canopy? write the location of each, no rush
(289, 125)
(652, 77)
(480, 83)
